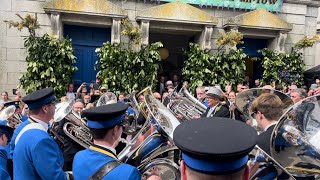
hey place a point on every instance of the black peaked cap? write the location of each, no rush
(38, 95)
(215, 138)
(105, 112)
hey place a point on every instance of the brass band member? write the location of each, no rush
(100, 161)
(224, 156)
(267, 109)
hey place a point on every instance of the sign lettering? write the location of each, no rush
(270, 5)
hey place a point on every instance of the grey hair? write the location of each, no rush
(302, 92)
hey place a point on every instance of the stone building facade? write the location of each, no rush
(203, 23)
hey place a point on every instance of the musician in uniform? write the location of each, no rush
(224, 156)
(268, 110)
(5, 136)
(70, 147)
(36, 155)
(100, 160)
(215, 108)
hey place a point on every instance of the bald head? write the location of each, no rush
(157, 95)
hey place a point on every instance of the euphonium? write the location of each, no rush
(77, 130)
(186, 105)
(9, 113)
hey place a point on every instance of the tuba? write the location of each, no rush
(186, 105)
(152, 149)
(163, 161)
(295, 141)
(9, 113)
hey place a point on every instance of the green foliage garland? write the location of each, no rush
(49, 60)
(125, 70)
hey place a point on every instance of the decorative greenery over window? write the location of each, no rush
(125, 69)
(50, 60)
(223, 67)
(285, 68)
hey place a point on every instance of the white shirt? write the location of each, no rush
(71, 96)
(211, 110)
(44, 124)
(109, 148)
(266, 128)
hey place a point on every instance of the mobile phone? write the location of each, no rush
(14, 91)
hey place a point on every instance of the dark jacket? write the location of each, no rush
(220, 111)
(264, 139)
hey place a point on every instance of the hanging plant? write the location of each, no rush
(49, 60)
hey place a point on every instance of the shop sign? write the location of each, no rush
(270, 5)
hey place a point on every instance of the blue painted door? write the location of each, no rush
(85, 40)
(251, 47)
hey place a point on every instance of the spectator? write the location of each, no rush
(291, 87)
(201, 95)
(70, 94)
(157, 95)
(122, 96)
(64, 99)
(161, 86)
(175, 80)
(239, 88)
(256, 83)
(82, 91)
(311, 89)
(169, 85)
(87, 99)
(4, 98)
(298, 94)
(215, 107)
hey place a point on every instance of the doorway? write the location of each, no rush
(85, 40)
(175, 44)
(250, 47)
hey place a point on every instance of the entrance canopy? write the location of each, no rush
(177, 12)
(88, 7)
(258, 19)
